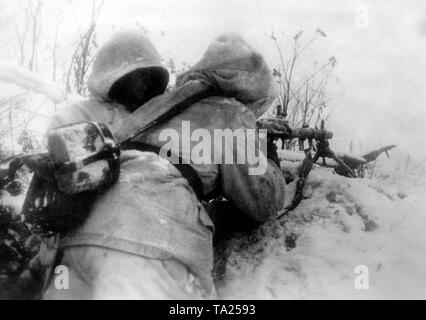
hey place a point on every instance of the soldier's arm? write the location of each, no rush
(257, 196)
(260, 194)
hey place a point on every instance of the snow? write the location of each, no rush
(297, 156)
(15, 203)
(351, 155)
(344, 223)
(290, 155)
(28, 80)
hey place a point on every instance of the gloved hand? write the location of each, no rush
(275, 128)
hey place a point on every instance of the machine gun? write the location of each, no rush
(306, 133)
(319, 147)
(318, 143)
(318, 140)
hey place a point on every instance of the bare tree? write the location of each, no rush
(82, 57)
(303, 97)
(28, 34)
(36, 16)
(54, 51)
(29, 50)
(21, 36)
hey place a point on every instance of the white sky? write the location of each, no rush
(379, 95)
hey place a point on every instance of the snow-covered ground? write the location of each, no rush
(344, 223)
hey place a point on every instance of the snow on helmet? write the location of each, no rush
(123, 53)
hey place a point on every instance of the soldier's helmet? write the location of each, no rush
(125, 53)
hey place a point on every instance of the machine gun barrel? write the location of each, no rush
(306, 134)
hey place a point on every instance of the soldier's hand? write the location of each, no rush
(276, 127)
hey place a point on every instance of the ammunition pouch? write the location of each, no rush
(84, 156)
(83, 161)
(49, 210)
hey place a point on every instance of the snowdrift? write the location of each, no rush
(313, 252)
(343, 223)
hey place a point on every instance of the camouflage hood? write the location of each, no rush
(123, 53)
(238, 71)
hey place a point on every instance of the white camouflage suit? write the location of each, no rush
(148, 236)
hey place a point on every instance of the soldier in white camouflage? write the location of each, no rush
(148, 236)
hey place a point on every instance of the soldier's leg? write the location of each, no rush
(128, 276)
(71, 283)
(98, 273)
